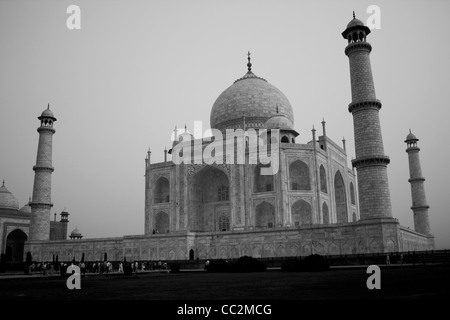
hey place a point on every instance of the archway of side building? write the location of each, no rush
(15, 242)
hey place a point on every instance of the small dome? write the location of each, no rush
(47, 113)
(26, 208)
(355, 22)
(179, 135)
(411, 137)
(7, 199)
(75, 233)
(278, 122)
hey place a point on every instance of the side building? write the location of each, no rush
(15, 226)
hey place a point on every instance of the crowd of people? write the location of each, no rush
(96, 267)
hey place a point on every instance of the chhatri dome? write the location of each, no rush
(75, 234)
(47, 113)
(26, 208)
(252, 97)
(7, 199)
(354, 22)
(279, 121)
(411, 137)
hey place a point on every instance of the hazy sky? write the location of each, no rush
(138, 68)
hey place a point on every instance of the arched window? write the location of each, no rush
(299, 176)
(265, 215)
(162, 222)
(224, 223)
(223, 193)
(352, 193)
(323, 179)
(341, 199)
(262, 183)
(301, 213)
(326, 216)
(285, 139)
(162, 190)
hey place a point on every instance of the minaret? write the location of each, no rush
(370, 163)
(41, 201)
(419, 200)
(65, 221)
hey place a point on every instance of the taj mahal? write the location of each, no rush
(314, 203)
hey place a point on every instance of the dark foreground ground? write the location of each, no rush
(406, 282)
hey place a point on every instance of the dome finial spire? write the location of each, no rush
(354, 17)
(249, 64)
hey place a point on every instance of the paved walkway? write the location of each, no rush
(21, 275)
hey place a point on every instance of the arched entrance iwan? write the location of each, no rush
(15, 242)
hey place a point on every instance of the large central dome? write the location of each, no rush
(252, 97)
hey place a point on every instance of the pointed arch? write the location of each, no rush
(325, 213)
(15, 242)
(162, 190)
(162, 222)
(264, 215)
(301, 213)
(299, 176)
(323, 179)
(224, 222)
(352, 193)
(262, 183)
(340, 198)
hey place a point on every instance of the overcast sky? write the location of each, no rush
(138, 68)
